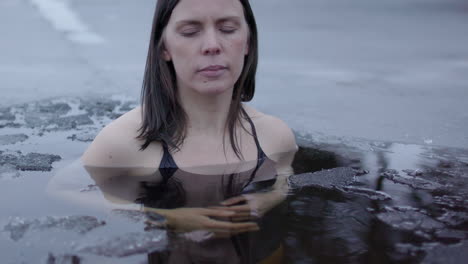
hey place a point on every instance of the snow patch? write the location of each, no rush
(65, 20)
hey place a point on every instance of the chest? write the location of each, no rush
(215, 156)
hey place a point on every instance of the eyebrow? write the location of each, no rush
(197, 22)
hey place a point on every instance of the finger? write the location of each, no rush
(218, 212)
(239, 208)
(222, 208)
(252, 214)
(238, 218)
(233, 200)
(225, 217)
(241, 214)
(229, 226)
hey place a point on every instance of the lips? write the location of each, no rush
(213, 71)
(213, 68)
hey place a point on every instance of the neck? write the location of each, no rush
(206, 114)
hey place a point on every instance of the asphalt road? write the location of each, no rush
(394, 70)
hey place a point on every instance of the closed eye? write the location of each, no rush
(228, 30)
(189, 33)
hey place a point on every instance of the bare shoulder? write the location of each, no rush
(117, 145)
(274, 135)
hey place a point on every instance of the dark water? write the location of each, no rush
(423, 218)
(403, 203)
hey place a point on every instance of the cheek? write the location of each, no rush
(238, 54)
(239, 46)
(181, 56)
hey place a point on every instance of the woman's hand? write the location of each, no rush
(251, 206)
(193, 219)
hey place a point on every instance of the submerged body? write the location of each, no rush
(158, 179)
(186, 189)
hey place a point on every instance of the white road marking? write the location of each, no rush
(65, 20)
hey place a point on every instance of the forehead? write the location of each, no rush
(206, 9)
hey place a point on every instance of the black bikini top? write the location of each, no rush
(168, 167)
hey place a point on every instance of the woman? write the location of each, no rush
(195, 148)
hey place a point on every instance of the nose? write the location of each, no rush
(211, 44)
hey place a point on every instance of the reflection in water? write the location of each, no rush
(427, 209)
(255, 196)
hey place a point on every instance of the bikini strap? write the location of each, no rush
(167, 167)
(260, 153)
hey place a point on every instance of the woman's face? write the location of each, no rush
(207, 41)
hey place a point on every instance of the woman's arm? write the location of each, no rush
(112, 162)
(73, 184)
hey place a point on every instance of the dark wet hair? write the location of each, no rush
(163, 118)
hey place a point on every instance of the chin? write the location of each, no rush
(214, 88)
